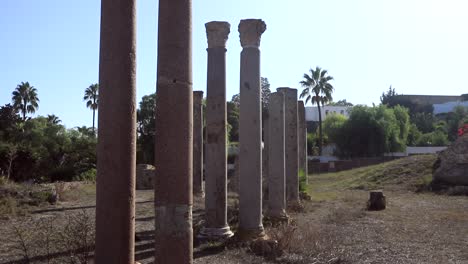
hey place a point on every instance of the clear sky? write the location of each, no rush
(417, 46)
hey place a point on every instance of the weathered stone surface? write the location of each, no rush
(217, 33)
(115, 199)
(302, 140)
(377, 201)
(251, 31)
(173, 197)
(250, 132)
(451, 167)
(215, 146)
(198, 186)
(145, 174)
(276, 163)
(291, 144)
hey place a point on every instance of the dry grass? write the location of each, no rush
(332, 228)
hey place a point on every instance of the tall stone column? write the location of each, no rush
(174, 134)
(291, 142)
(198, 143)
(215, 146)
(116, 166)
(276, 178)
(302, 138)
(250, 131)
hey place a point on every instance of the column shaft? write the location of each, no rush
(174, 134)
(115, 201)
(250, 142)
(291, 142)
(198, 143)
(276, 178)
(216, 156)
(250, 131)
(302, 140)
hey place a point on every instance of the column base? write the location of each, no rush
(278, 218)
(250, 234)
(199, 194)
(215, 233)
(295, 206)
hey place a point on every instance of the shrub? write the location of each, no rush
(89, 176)
(302, 181)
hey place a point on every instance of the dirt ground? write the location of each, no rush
(415, 228)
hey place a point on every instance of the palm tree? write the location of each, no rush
(318, 90)
(92, 99)
(25, 99)
(53, 119)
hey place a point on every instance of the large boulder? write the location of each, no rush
(145, 174)
(451, 167)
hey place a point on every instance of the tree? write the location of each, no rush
(53, 119)
(340, 103)
(233, 121)
(25, 99)
(370, 131)
(333, 124)
(264, 93)
(318, 90)
(92, 99)
(146, 115)
(265, 86)
(387, 97)
(9, 119)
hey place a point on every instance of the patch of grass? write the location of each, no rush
(8, 206)
(83, 191)
(411, 173)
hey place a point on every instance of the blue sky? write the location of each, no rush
(417, 46)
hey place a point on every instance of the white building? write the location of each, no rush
(313, 116)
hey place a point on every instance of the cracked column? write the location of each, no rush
(276, 178)
(198, 143)
(174, 134)
(291, 144)
(115, 201)
(250, 131)
(215, 147)
(302, 139)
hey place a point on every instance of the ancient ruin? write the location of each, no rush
(291, 142)
(198, 185)
(215, 147)
(302, 139)
(276, 178)
(250, 131)
(451, 167)
(174, 130)
(115, 225)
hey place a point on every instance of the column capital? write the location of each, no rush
(251, 31)
(217, 33)
(198, 93)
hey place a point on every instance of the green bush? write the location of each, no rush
(302, 181)
(89, 175)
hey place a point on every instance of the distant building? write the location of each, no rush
(441, 103)
(312, 112)
(431, 99)
(312, 116)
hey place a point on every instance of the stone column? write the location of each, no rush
(276, 179)
(198, 143)
(265, 154)
(116, 166)
(291, 143)
(250, 131)
(174, 134)
(215, 147)
(302, 138)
